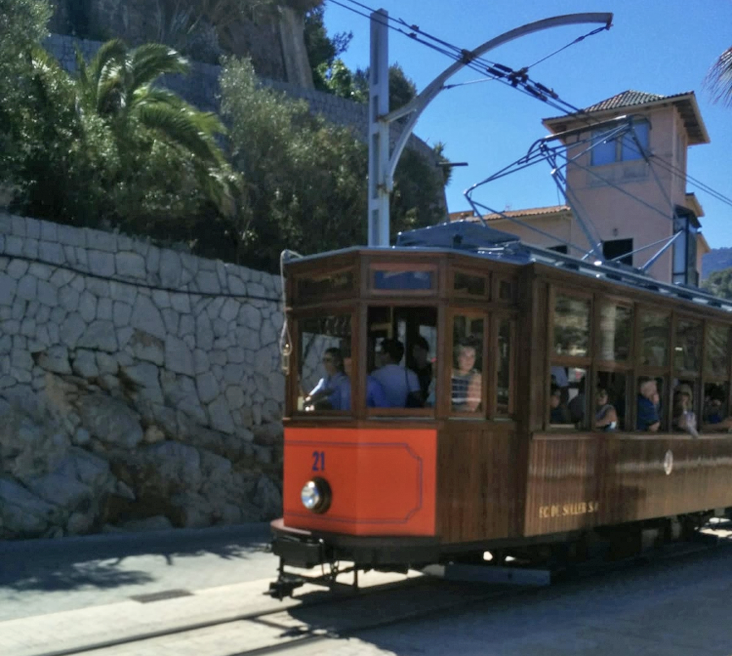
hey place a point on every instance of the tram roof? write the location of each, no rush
(475, 239)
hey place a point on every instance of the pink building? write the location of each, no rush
(632, 185)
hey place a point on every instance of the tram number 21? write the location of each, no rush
(318, 461)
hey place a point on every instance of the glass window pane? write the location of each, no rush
(568, 398)
(330, 283)
(610, 401)
(616, 322)
(571, 325)
(324, 366)
(715, 413)
(649, 412)
(687, 352)
(506, 290)
(403, 280)
(467, 373)
(654, 328)
(474, 285)
(503, 366)
(716, 359)
(683, 415)
(399, 371)
(630, 150)
(602, 152)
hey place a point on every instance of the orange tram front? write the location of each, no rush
(441, 402)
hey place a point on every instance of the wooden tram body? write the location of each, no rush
(412, 486)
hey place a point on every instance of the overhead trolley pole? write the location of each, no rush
(382, 158)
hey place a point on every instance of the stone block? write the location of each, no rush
(131, 265)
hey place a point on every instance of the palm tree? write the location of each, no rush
(119, 85)
(719, 78)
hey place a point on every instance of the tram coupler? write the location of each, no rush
(285, 585)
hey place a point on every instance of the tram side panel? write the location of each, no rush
(580, 482)
(477, 482)
(381, 481)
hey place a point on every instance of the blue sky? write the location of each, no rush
(660, 46)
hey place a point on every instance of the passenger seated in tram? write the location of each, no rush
(558, 412)
(576, 405)
(397, 382)
(333, 391)
(606, 417)
(684, 418)
(466, 380)
(647, 418)
(422, 365)
(713, 417)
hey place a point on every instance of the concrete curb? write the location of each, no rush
(176, 536)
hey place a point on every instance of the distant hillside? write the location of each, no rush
(716, 260)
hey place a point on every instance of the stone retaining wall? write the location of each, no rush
(138, 385)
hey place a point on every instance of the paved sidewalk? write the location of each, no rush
(60, 595)
(57, 594)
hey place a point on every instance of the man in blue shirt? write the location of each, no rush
(397, 381)
(647, 418)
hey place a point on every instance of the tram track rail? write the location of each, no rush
(279, 630)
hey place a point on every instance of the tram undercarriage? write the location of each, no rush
(554, 554)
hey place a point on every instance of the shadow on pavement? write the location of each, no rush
(98, 561)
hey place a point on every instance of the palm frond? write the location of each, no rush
(719, 78)
(148, 62)
(180, 128)
(113, 51)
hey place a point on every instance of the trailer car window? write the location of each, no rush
(571, 325)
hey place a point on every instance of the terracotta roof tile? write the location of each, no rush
(514, 214)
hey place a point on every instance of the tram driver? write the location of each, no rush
(333, 391)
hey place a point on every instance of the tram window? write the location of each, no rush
(571, 325)
(716, 359)
(324, 363)
(609, 410)
(503, 367)
(506, 290)
(403, 280)
(654, 327)
(400, 372)
(650, 408)
(687, 350)
(469, 284)
(467, 373)
(683, 407)
(616, 323)
(577, 397)
(323, 285)
(715, 410)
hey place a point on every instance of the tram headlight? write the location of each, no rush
(315, 495)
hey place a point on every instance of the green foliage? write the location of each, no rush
(109, 148)
(323, 54)
(306, 179)
(719, 78)
(719, 283)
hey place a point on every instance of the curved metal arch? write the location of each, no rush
(417, 105)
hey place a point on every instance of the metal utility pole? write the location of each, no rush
(382, 159)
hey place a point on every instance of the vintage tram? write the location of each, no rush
(396, 487)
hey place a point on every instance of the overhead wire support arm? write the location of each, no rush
(383, 159)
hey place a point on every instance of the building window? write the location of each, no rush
(614, 248)
(684, 255)
(620, 149)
